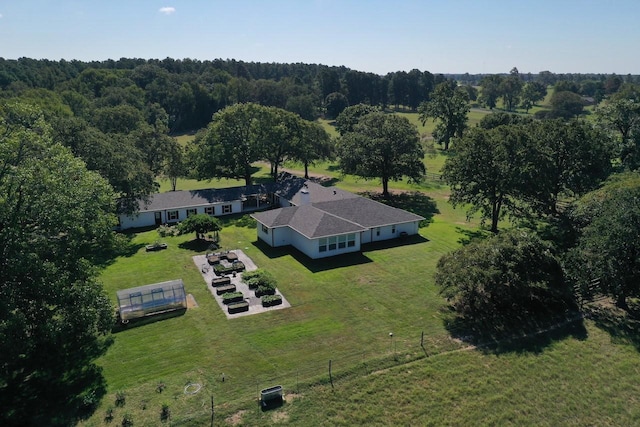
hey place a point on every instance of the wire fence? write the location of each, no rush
(221, 390)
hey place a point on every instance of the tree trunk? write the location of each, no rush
(385, 188)
(274, 172)
(306, 170)
(495, 215)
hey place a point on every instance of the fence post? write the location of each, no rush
(212, 411)
(330, 376)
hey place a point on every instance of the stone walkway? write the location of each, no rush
(255, 305)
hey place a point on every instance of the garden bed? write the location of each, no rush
(238, 307)
(236, 266)
(225, 289)
(271, 300)
(221, 281)
(230, 297)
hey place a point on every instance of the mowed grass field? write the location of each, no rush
(343, 311)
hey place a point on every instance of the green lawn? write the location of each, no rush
(343, 310)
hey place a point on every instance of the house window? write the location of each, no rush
(210, 210)
(378, 231)
(191, 212)
(342, 242)
(393, 229)
(172, 215)
(332, 243)
(265, 229)
(351, 240)
(226, 209)
(322, 245)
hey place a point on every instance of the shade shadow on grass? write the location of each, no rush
(393, 243)
(471, 236)
(523, 334)
(313, 265)
(195, 245)
(623, 326)
(120, 246)
(147, 320)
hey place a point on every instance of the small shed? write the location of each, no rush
(151, 299)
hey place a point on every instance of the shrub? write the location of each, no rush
(168, 230)
(121, 398)
(256, 278)
(265, 290)
(108, 417)
(165, 413)
(127, 420)
(270, 300)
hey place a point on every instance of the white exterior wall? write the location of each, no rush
(144, 219)
(147, 219)
(312, 247)
(371, 235)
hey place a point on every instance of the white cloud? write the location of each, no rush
(167, 10)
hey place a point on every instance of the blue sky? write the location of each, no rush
(379, 36)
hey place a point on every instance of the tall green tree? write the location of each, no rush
(281, 134)
(609, 247)
(315, 145)
(532, 92)
(487, 171)
(566, 105)
(199, 224)
(54, 316)
(511, 275)
(510, 89)
(574, 158)
(449, 105)
(490, 90)
(334, 103)
(382, 146)
(346, 121)
(231, 143)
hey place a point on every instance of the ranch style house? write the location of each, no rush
(318, 221)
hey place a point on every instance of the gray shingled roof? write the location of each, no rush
(334, 217)
(192, 198)
(366, 212)
(308, 221)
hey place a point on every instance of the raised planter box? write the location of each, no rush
(220, 269)
(230, 297)
(271, 300)
(220, 290)
(260, 292)
(238, 307)
(231, 256)
(221, 281)
(156, 247)
(213, 259)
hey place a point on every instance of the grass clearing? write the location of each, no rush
(343, 310)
